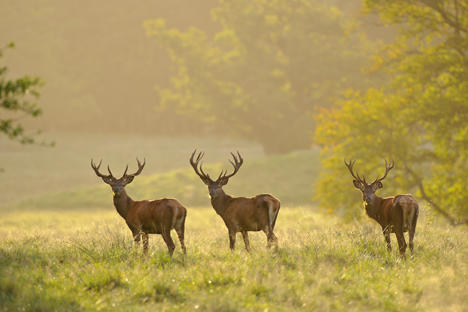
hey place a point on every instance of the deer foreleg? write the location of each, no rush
(232, 240)
(386, 233)
(145, 243)
(136, 238)
(245, 236)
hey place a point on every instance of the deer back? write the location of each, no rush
(253, 213)
(393, 212)
(156, 215)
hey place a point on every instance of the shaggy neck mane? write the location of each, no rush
(220, 202)
(122, 202)
(372, 209)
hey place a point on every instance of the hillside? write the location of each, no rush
(289, 177)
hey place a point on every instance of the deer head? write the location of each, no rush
(117, 184)
(215, 187)
(368, 190)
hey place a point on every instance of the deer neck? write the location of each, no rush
(220, 202)
(122, 203)
(373, 208)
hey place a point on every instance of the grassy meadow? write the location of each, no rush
(65, 248)
(84, 260)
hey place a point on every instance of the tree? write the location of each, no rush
(17, 100)
(419, 118)
(263, 73)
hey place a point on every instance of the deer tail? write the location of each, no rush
(414, 216)
(272, 211)
(409, 210)
(180, 213)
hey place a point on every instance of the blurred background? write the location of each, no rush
(296, 86)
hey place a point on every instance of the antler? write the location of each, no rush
(96, 170)
(236, 164)
(388, 167)
(140, 168)
(350, 168)
(195, 163)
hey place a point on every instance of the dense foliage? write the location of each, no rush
(419, 118)
(17, 100)
(262, 74)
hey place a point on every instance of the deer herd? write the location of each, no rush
(397, 214)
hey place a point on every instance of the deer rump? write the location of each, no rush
(257, 213)
(409, 210)
(157, 216)
(401, 209)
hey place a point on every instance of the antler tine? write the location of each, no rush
(140, 168)
(195, 166)
(236, 164)
(125, 172)
(240, 157)
(96, 168)
(388, 167)
(222, 174)
(193, 163)
(141, 165)
(110, 172)
(203, 173)
(350, 168)
(200, 156)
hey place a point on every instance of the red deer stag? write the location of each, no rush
(396, 214)
(146, 217)
(240, 214)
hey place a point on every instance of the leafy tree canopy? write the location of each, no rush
(261, 75)
(419, 118)
(17, 101)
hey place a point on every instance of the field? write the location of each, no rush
(65, 248)
(85, 261)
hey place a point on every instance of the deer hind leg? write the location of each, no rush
(412, 229)
(180, 229)
(245, 236)
(272, 215)
(386, 233)
(401, 240)
(271, 238)
(166, 234)
(145, 243)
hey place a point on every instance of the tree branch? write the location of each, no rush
(445, 16)
(419, 182)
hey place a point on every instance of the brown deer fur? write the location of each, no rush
(146, 217)
(396, 214)
(240, 214)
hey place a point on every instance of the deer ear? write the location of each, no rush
(377, 186)
(357, 184)
(224, 181)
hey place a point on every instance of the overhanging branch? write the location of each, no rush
(419, 182)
